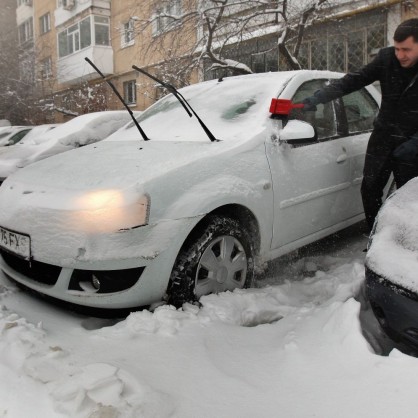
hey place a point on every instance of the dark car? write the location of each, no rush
(392, 266)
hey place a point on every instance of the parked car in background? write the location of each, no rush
(392, 265)
(11, 135)
(128, 222)
(29, 133)
(80, 131)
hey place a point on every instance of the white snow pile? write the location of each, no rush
(290, 350)
(393, 251)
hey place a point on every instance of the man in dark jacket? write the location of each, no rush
(391, 146)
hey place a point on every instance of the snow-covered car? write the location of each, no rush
(129, 222)
(82, 130)
(392, 265)
(11, 135)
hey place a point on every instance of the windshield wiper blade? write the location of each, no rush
(181, 99)
(143, 134)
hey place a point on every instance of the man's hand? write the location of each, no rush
(310, 104)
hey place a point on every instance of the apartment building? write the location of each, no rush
(164, 37)
(8, 60)
(157, 44)
(114, 35)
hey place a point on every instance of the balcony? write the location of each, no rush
(63, 14)
(24, 12)
(73, 68)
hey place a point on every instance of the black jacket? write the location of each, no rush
(399, 110)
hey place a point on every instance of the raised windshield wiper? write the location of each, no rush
(144, 136)
(181, 99)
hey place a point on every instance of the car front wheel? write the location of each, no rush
(217, 257)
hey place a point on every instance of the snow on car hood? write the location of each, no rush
(393, 252)
(111, 164)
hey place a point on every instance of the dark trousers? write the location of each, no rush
(378, 166)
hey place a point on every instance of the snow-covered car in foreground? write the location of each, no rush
(127, 222)
(392, 265)
(40, 144)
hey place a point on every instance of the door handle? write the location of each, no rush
(341, 158)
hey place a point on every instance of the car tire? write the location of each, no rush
(217, 256)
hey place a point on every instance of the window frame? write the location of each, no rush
(344, 118)
(45, 23)
(128, 33)
(27, 27)
(74, 38)
(129, 89)
(46, 68)
(163, 24)
(336, 108)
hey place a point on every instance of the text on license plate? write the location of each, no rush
(15, 243)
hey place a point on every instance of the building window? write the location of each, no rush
(26, 31)
(101, 30)
(45, 23)
(46, 68)
(129, 92)
(66, 4)
(23, 2)
(163, 19)
(128, 33)
(79, 35)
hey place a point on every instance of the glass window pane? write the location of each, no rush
(323, 119)
(70, 43)
(62, 44)
(360, 110)
(355, 50)
(319, 55)
(77, 41)
(72, 28)
(85, 33)
(101, 19)
(102, 34)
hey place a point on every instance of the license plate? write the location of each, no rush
(18, 244)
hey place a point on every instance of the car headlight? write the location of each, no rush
(109, 211)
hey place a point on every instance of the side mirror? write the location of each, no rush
(297, 132)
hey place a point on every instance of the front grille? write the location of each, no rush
(35, 270)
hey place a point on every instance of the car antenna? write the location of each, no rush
(143, 134)
(181, 99)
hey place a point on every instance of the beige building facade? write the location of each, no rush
(58, 35)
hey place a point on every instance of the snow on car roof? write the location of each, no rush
(393, 252)
(84, 129)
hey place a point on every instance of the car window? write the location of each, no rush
(360, 110)
(323, 119)
(17, 137)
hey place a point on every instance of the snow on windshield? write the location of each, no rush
(229, 108)
(37, 130)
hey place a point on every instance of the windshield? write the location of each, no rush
(229, 108)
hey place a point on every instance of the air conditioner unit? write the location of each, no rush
(68, 4)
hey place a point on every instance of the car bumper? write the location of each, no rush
(395, 307)
(138, 280)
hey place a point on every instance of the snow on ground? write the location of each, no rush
(293, 347)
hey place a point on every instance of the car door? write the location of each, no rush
(359, 111)
(311, 181)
